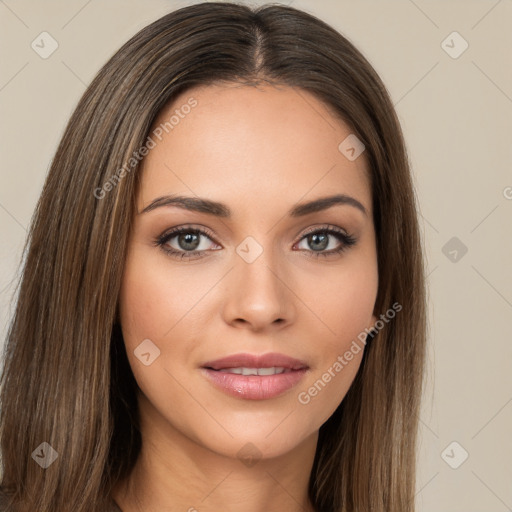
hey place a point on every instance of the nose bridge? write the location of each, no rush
(257, 294)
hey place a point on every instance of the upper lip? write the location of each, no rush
(256, 361)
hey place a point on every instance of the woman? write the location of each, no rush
(223, 298)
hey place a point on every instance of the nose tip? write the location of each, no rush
(257, 298)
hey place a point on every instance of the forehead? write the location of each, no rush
(251, 147)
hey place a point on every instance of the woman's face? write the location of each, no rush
(283, 290)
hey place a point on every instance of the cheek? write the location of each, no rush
(160, 304)
(152, 308)
(154, 301)
(348, 301)
(346, 308)
(149, 311)
(141, 304)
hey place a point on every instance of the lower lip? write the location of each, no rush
(254, 387)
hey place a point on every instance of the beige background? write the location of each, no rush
(457, 117)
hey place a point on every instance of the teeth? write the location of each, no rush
(255, 371)
(270, 371)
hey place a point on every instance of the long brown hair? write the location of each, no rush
(66, 379)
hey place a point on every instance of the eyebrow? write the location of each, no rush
(198, 204)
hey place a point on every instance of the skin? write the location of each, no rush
(260, 151)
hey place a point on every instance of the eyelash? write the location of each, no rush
(346, 240)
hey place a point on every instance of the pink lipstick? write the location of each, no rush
(255, 377)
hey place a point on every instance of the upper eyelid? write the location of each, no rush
(326, 227)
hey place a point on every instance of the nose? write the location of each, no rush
(258, 296)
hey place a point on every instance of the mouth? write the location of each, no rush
(273, 370)
(255, 377)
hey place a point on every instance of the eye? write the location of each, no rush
(185, 242)
(320, 239)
